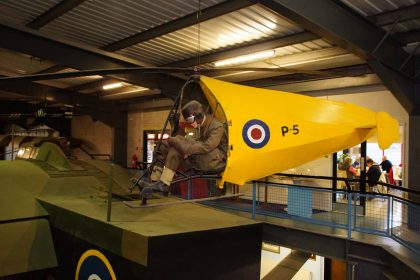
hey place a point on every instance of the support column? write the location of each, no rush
(413, 153)
(362, 179)
(120, 138)
(414, 137)
(413, 169)
(349, 271)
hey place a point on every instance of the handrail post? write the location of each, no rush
(108, 215)
(254, 199)
(189, 189)
(355, 209)
(349, 215)
(389, 217)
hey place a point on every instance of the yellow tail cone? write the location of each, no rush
(387, 130)
(272, 131)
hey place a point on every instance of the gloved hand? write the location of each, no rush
(180, 144)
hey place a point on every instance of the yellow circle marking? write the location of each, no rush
(98, 254)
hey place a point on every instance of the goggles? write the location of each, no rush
(190, 119)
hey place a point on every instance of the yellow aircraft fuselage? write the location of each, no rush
(272, 131)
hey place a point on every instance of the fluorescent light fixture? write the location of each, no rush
(112, 86)
(245, 58)
(137, 89)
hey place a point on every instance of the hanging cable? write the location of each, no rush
(198, 32)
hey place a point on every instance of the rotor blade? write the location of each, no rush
(93, 72)
(271, 69)
(149, 70)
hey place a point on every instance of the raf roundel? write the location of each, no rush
(93, 265)
(256, 133)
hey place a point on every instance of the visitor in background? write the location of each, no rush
(348, 167)
(373, 174)
(386, 166)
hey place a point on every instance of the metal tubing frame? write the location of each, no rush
(386, 35)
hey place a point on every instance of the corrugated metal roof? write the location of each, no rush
(307, 47)
(245, 25)
(69, 82)
(13, 63)
(21, 12)
(299, 56)
(373, 7)
(100, 23)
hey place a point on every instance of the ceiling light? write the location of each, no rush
(112, 86)
(137, 89)
(245, 58)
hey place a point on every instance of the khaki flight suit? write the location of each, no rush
(208, 152)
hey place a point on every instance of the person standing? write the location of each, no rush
(386, 166)
(373, 174)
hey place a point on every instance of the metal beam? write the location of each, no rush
(251, 48)
(186, 21)
(139, 99)
(78, 57)
(331, 20)
(288, 267)
(413, 158)
(53, 13)
(309, 241)
(408, 37)
(51, 94)
(106, 117)
(86, 104)
(339, 24)
(255, 47)
(92, 85)
(147, 105)
(403, 14)
(331, 244)
(120, 138)
(348, 71)
(402, 88)
(9, 107)
(52, 69)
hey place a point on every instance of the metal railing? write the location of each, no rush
(390, 213)
(96, 155)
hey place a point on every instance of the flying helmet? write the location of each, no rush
(192, 111)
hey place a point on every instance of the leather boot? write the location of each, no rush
(149, 188)
(147, 192)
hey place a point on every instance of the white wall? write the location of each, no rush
(376, 101)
